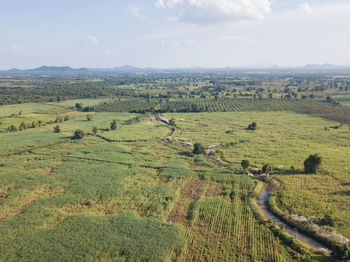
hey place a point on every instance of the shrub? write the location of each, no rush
(312, 163)
(172, 122)
(198, 149)
(12, 128)
(245, 164)
(266, 168)
(328, 220)
(78, 134)
(57, 129)
(114, 125)
(252, 126)
(94, 130)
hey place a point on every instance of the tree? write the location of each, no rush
(245, 164)
(114, 125)
(312, 163)
(22, 126)
(198, 149)
(266, 168)
(94, 130)
(78, 134)
(12, 128)
(88, 117)
(78, 105)
(57, 129)
(252, 126)
(59, 119)
(172, 122)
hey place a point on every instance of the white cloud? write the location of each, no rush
(110, 52)
(216, 11)
(235, 38)
(305, 8)
(92, 39)
(136, 11)
(17, 49)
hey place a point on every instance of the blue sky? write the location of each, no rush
(173, 33)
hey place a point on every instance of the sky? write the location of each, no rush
(173, 33)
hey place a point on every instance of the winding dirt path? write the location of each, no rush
(261, 200)
(262, 205)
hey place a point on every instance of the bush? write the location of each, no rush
(266, 168)
(252, 126)
(114, 125)
(328, 220)
(78, 134)
(57, 129)
(198, 149)
(312, 163)
(172, 122)
(94, 130)
(245, 164)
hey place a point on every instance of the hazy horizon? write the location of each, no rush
(174, 33)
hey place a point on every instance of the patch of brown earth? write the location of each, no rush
(192, 189)
(178, 215)
(92, 143)
(89, 207)
(15, 207)
(4, 191)
(213, 191)
(42, 170)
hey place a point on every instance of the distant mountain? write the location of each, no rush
(127, 68)
(324, 66)
(52, 68)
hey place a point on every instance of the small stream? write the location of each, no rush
(262, 203)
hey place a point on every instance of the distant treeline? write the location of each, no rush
(322, 109)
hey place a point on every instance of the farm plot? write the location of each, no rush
(90, 199)
(283, 140)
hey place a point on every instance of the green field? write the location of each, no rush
(283, 140)
(343, 99)
(128, 195)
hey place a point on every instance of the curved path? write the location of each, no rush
(262, 204)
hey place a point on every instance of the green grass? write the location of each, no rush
(12, 142)
(126, 236)
(143, 199)
(283, 140)
(343, 99)
(144, 130)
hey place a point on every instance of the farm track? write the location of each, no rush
(262, 203)
(122, 141)
(263, 206)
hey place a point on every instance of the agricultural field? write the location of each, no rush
(115, 178)
(283, 140)
(343, 99)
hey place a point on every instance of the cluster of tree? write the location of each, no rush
(266, 168)
(198, 149)
(23, 126)
(312, 163)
